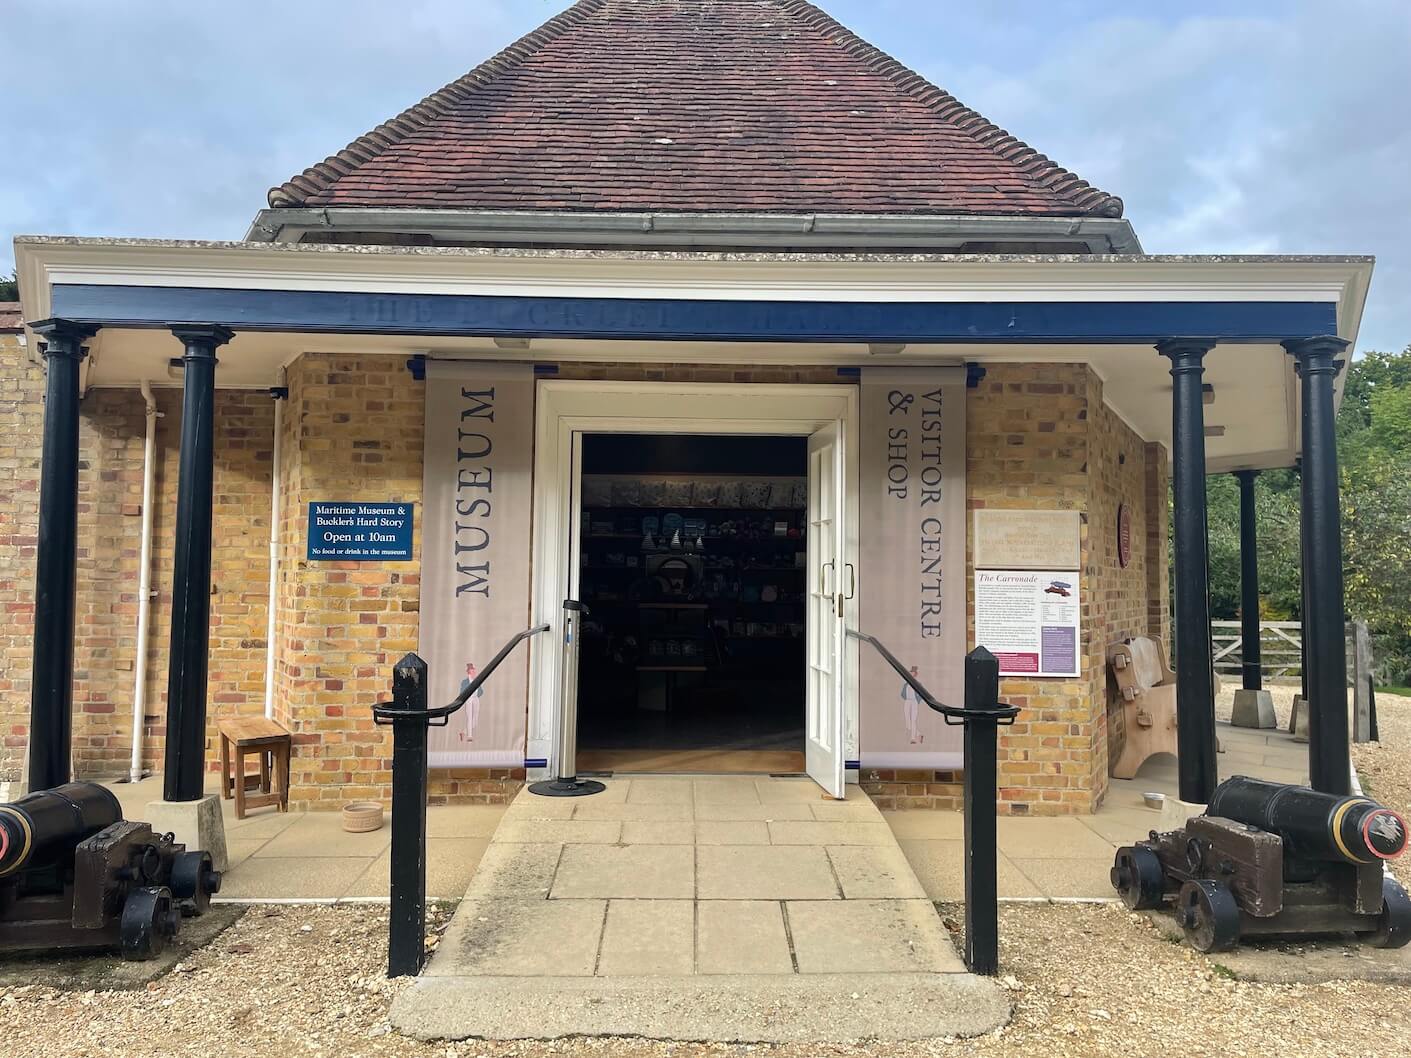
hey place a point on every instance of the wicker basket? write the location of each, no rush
(361, 817)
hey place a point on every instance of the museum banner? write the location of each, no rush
(477, 495)
(912, 582)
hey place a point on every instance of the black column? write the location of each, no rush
(1195, 695)
(51, 692)
(1323, 618)
(191, 567)
(1249, 584)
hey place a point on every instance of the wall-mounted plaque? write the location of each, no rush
(1043, 540)
(1124, 535)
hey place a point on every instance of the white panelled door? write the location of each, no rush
(826, 641)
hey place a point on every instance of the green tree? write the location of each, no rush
(10, 287)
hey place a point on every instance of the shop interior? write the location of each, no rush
(692, 563)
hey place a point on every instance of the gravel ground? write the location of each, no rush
(1385, 767)
(306, 982)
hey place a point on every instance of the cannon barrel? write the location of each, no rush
(46, 825)
(1313, 825)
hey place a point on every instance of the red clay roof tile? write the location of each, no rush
(694, 105)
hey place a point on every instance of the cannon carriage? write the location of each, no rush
(1268, 858)
(75, 874)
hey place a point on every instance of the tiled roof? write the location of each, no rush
(10, 318)
(694, 105)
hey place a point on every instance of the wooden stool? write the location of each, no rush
(265, 739)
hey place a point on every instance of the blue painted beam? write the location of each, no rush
(680, 319)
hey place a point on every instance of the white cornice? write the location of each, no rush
(807, 277)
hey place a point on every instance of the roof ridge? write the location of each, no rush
(1043, 170)
(321, 175)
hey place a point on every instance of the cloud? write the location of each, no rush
(1280, 128)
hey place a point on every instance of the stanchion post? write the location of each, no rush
(566, 782)
(406, 945)
(981, 829)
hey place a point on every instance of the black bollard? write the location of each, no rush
(406, 943)
(981, 804)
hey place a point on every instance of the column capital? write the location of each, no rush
(1185, 352)
(1246, 476)
(1317, 354)
(202, 339)
(63, 337)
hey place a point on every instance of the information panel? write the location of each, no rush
(1029, 620)
(354, 531)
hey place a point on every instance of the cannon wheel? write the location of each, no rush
(1394, 924)
(193, 880)
(1209, 915)
(1138, 878)
(148, 921)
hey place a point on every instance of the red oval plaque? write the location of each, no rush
(1124, 535)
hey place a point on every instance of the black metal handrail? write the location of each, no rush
(982, 716)
(383, 713)
(411, 718)
(1001, 714)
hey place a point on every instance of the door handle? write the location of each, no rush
(823, 577)
(852, 579)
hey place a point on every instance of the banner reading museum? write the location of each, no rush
(475, 554)
(912, 551)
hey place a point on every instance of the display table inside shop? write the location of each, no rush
(693, 605)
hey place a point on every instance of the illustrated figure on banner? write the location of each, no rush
(471, 713)
(910, 710)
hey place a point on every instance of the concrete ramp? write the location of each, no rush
(733, 909)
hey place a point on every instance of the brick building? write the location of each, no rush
(842, 321)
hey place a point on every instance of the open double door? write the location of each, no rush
(831, 585)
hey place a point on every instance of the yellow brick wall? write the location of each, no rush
(1037, 436)
(1040, 436)
(21, 434)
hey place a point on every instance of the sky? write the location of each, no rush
(1254, 127)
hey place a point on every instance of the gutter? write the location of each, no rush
(720, 231)
(144, 580)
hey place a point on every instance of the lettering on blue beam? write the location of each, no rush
(684, 319)
(354, 531)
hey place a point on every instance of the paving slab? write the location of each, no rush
(450, 864)
(289, 878)
(646, 872)
(648, 938)
(817, 832)
(641, 832)
(754, 812)
(725, 791)
(324, 833)
(940, 868)
(1088, 878)
(869, 936)
(661, 792)
(764, 872)
(489, 936)
(873, 872)
(559, 831)
(732, 832)
(769, 1008)
(515, 872)
(742, 937)
(636, 812)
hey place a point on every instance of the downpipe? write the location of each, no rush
(144, 580)
(272, 601)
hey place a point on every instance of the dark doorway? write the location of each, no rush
(692, 564)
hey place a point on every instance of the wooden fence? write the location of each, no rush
(1281, 661)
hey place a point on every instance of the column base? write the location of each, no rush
(197, 824)
(1253, 709)
(1298, 719)
(1175, 813)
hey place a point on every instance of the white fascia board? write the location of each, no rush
(731, 277)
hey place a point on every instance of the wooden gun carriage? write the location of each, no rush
(75, 874)
(1267, 858)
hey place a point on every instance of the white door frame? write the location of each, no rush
(563, 408)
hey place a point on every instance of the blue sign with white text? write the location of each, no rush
(360, 532)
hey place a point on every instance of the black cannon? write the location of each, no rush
(75, 874)
(1267, 858)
